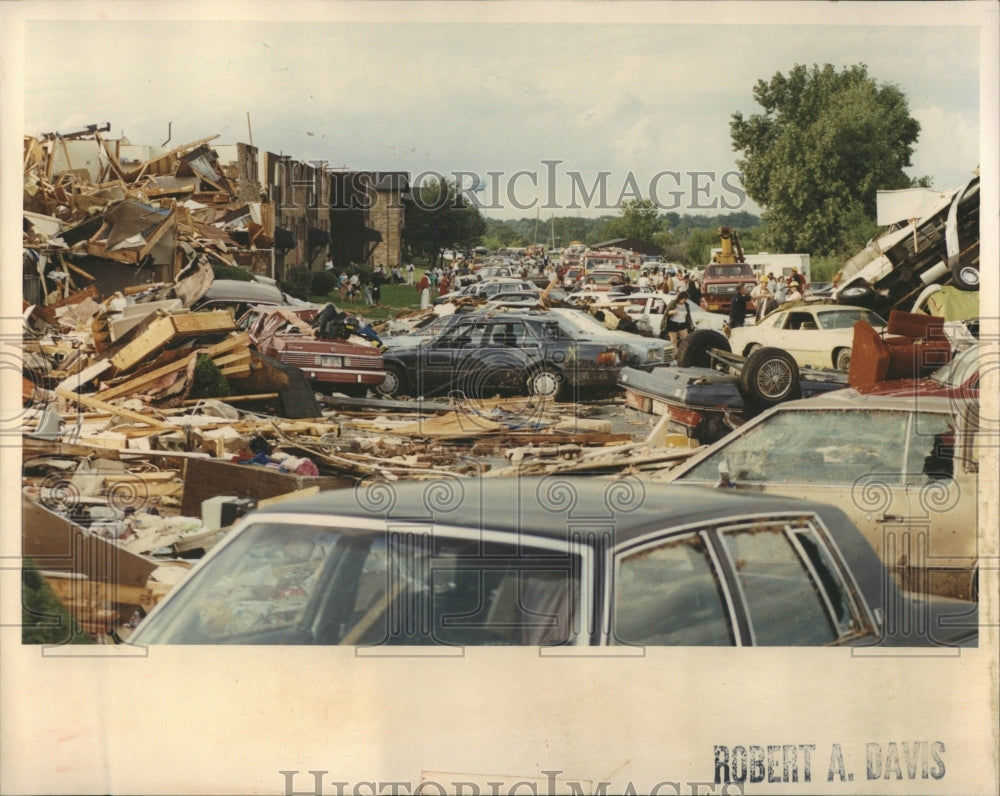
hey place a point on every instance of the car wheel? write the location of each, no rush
(857, 295)
(769, 376)
(842, 359)
(394, 383)
(692, 352)
(545, 384)
(965, 277)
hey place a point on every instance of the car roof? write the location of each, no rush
(238, 290)
(546, 507)
(849, 399)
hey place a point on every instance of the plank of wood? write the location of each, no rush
(133, 384)
(203, 322)
(158, 332)
(229, 359)
(235, 370)
(118, 411)
(239, 340)
(232, 399)
(84, 589)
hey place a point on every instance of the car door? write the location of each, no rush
(801, 337)
(770, 581)
(455, 586)
(852, 459)
(445, 356)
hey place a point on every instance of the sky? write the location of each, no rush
(523, 95)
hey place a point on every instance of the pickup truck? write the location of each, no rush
(720, 282)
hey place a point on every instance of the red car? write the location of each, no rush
(338, 365)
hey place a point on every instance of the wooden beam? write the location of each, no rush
(94, 403)
(133, 384)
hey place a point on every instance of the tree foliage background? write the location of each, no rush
(825, 142)
(438, 217)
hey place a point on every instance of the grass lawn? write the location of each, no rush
(396, 299)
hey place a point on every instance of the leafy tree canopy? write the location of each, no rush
(825, 142)
(640, 220)
(438, 217)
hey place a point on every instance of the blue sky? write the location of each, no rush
(631, 89)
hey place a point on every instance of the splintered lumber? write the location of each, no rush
(94, 403)
(165, 329)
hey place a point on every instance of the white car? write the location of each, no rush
(816, 335)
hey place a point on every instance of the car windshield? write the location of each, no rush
(283, 583)
(846, 318)
(813, 447)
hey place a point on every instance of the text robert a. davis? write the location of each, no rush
(808, 762)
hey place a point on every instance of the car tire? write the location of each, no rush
(545, 384)
(692, 351)
(856, 295)
(842, 359)
(394, 383)
(769, 376)
(965, 276)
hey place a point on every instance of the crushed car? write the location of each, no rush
(932, 237)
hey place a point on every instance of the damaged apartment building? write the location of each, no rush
(107, 214)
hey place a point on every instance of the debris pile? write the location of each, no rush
(151, 424)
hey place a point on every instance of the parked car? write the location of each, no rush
(498, 562)
(517, 351)
(602, 279)
(488, 288)
(331, 364)
(816, 334)
(904, 467)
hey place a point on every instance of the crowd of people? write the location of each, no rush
(682, 284)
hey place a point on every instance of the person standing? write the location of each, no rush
(679, 321)
(424, 289)
(409, 273)
(738, 309)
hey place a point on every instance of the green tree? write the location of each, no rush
(700, 243)
(639, 220)
(824, 144)
(438, 217)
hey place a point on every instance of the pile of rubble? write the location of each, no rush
(149, 427)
